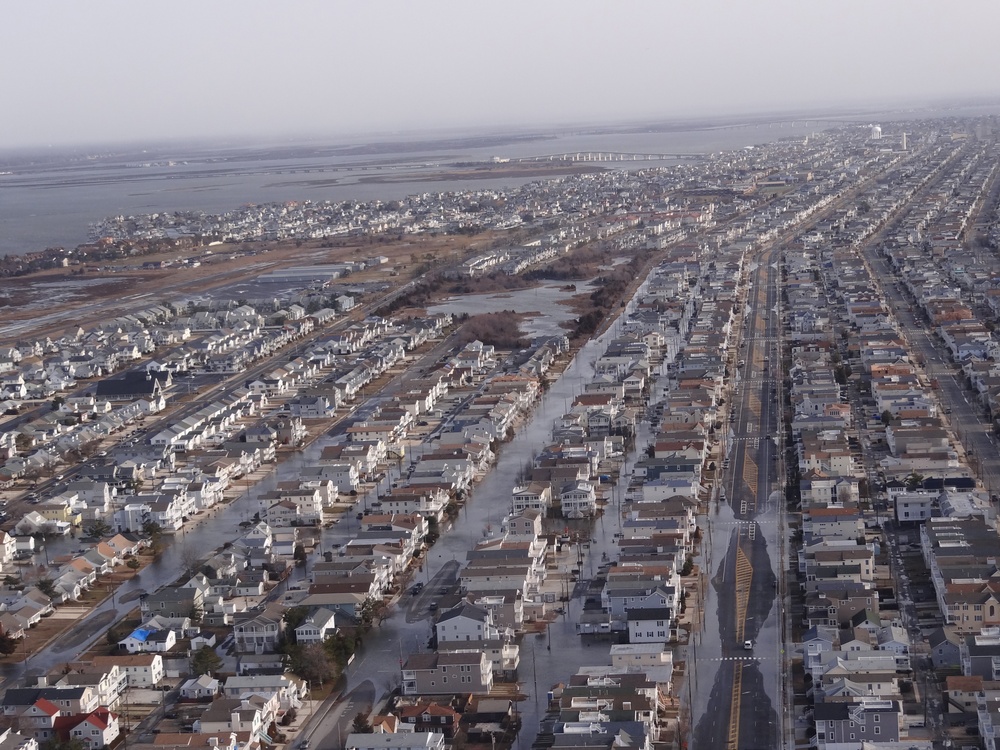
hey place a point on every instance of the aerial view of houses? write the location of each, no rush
(751, 483)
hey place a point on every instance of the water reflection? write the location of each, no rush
(546, 305)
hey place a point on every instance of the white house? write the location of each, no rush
(317, 627)
(466, 622)
(200, 688)
(578, 500)
(649, 624)
(141, 670)
(142, 640)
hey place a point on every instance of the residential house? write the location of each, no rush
(842, 724)
(403, 740)
(258, 631)
(141, 670)
(317, 627)
(466, 622)
(201, 688)
(236, 715)
(462, 672)
(97, 729)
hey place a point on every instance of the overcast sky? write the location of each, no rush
(102, 71)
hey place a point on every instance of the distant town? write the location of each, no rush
(701, 455)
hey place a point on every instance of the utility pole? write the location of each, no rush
(125, 732)
(534, 674)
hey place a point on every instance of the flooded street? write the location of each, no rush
(736, 660)
(545, 658)
(211, 530)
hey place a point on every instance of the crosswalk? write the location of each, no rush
(69, 613)
(743, 659)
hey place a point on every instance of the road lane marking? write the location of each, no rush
(734, 708)
(750, 475)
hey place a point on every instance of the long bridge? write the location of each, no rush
(609, 156)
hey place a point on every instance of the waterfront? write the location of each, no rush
(53, 202)
(54, 205)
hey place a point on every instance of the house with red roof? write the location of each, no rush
(39, 719)
(98, 729)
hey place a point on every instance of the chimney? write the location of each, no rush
(213, 741)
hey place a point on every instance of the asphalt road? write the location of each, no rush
(332, 721)
(739, 693)
(965, 417)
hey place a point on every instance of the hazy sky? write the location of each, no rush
(101, 71)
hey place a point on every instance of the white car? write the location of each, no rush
(748, 645)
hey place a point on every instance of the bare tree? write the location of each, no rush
(312, 663)
(191, 560)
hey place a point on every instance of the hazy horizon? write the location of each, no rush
(115, 72)
(859, 113)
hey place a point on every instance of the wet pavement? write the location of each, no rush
(735, 693)
(207, 532)
(545, 658)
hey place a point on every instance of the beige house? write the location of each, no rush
(446, 674)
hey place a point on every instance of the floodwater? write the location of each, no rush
(53, 203)
(545, 305)
(546, 659)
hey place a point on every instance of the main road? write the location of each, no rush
(736, 668)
